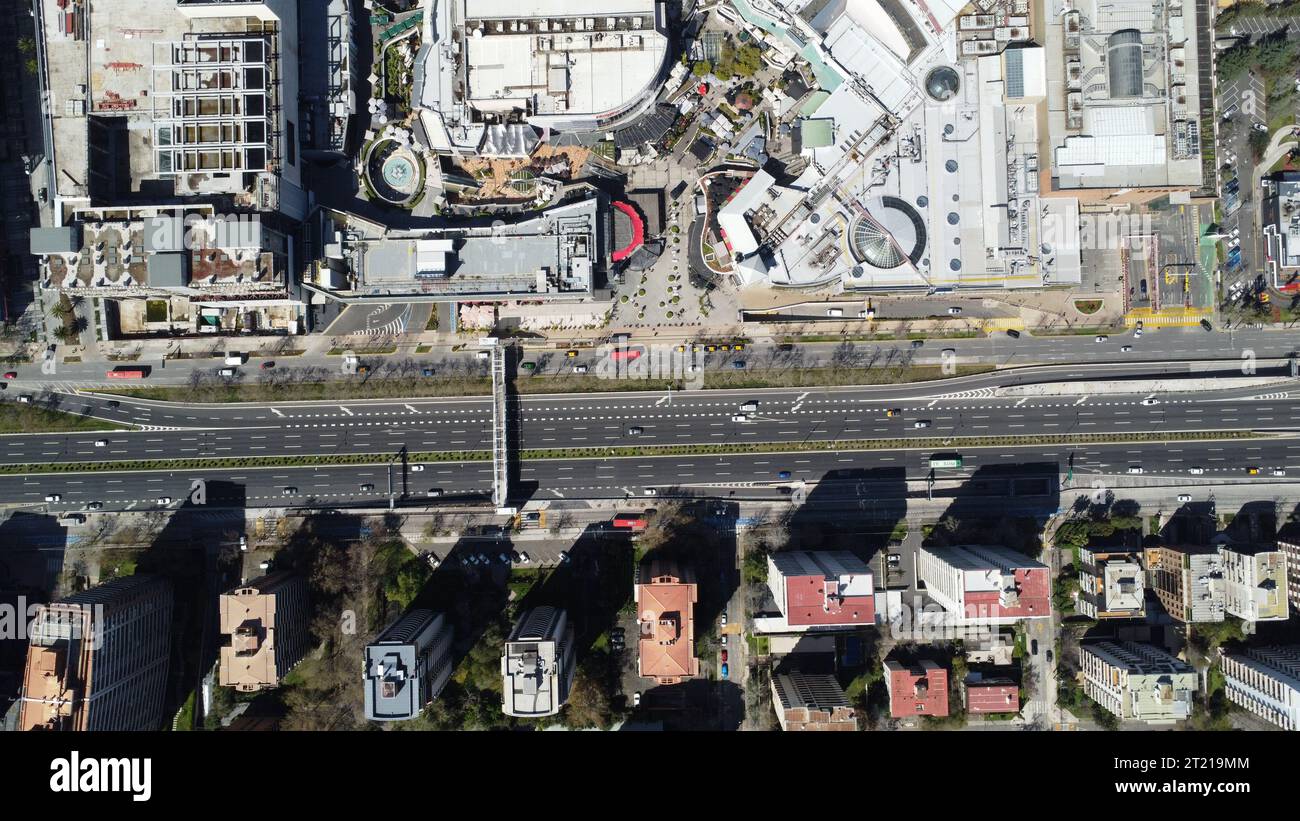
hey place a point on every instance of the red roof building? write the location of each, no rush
(665, 596)
(991, 695)
(986, 585)
(824, 589)
(917, 690)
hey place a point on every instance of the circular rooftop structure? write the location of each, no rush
(942, 83)
(890, 232)
(395, 171)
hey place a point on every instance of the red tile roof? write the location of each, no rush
(666, 615)
(1034, 589)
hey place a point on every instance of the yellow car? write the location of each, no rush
(711, 348)
(681, 349)
(1253, 471)
(738, 347)
(571, 354)
(695, 348)
(893, 412)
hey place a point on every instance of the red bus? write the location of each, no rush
(629, 354)
(629, 521)
(127, 373)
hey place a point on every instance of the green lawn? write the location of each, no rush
(18, 418)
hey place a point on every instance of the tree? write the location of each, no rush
(702, 68)
(588, 704)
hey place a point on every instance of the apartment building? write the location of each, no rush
(811, 702)
(1138, 682)
(919, 689)
(1112, 584)
(820, 590)
(538, 663)
(1255, 581)
(98, 659)
(1188, 581)
(986, 584)
(407, 666)
(264, 630)
(1266, 682)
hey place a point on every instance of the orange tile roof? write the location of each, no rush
(666, 615)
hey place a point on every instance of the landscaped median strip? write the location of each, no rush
(839, 446)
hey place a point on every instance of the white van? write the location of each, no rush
(234, 358)
(749, 407)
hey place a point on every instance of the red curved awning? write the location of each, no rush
(638, 232)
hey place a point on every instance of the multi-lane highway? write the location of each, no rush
(941, 413)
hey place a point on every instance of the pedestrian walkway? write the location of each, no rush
(1178, 317)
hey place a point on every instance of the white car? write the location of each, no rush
(1136, 335)
(54, 497)
(164, 500)
(1150, 401)
(525, 558)
(1279, 472)
(101, 443)
(724, 618)
(636, 699)
(724, 639)
(740, 417)
(1126, 349)
(1135, 469)
(921, 423)
(651, 492)
(1101, 339)
(417, 468)
(954, 311)
(1184, 497)
(579, 368)
(435, 492)
(1196, 471)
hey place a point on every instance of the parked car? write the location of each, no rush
(564, 557)
(26, 399)
(528, 366)
(525, 558)
(739, 364)
(895, 558)
(1033, 647)
(916, 343)
(724, 618)
(1014, 334)
(724, 639)
(723, 655)
(570, 354)
(636, 699)
(426, 371)
(724, 670)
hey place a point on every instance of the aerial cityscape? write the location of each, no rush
(650, 365)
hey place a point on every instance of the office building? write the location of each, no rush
(919, 689)
(1255, 581)
(1291, 552)
(1266, 682)
(1112, 584)
(1281, 221)
(537, 664)
(98, 659)
(665, 595)
(811, 702)
(1138, 682)
(986, 584)
(820, 590)
(1188, 581)
(407, 666)
(264, 630)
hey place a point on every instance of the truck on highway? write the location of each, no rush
(945, 460)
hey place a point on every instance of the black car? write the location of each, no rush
(1205, 323)
(1014, 334)
(785, 347)
(916, 343)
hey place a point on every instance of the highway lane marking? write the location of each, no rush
(345, 410)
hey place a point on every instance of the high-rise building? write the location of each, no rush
(1291, 550)
(1265, 681)
(1188, 581)
(407, 666)
(919, 689)
(264, 630)
(986, 584)
(826, 589)
(97, 660)
(665, 596)
(806, 701)
(1255, 582)
(1112, 584)
(1138, 682)
(537, 663)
